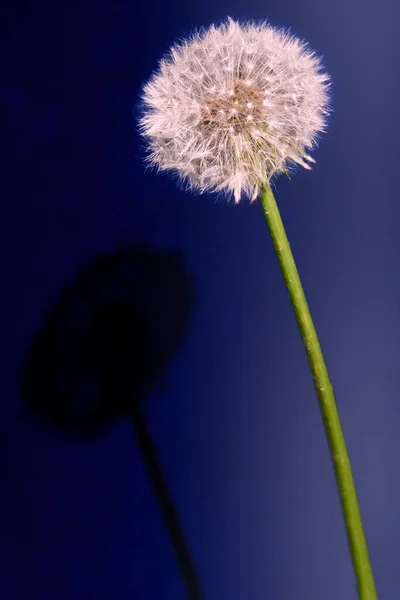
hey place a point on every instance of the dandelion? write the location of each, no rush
(234, 106)
(228, 110)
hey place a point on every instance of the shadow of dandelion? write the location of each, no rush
(104, 347)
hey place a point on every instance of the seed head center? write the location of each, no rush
(235, 108)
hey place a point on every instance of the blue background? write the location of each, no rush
(239, 432)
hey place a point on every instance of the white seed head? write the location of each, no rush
(234, 106)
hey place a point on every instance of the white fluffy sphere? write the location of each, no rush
(233, 106)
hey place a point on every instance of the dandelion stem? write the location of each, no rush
(327, 404)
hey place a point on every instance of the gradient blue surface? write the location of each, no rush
(239, 431)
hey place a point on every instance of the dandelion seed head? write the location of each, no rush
(233, 106)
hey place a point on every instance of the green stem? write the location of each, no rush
(327, 404)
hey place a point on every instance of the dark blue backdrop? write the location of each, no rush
(239, 432)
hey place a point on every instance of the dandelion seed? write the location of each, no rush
(223, 130)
